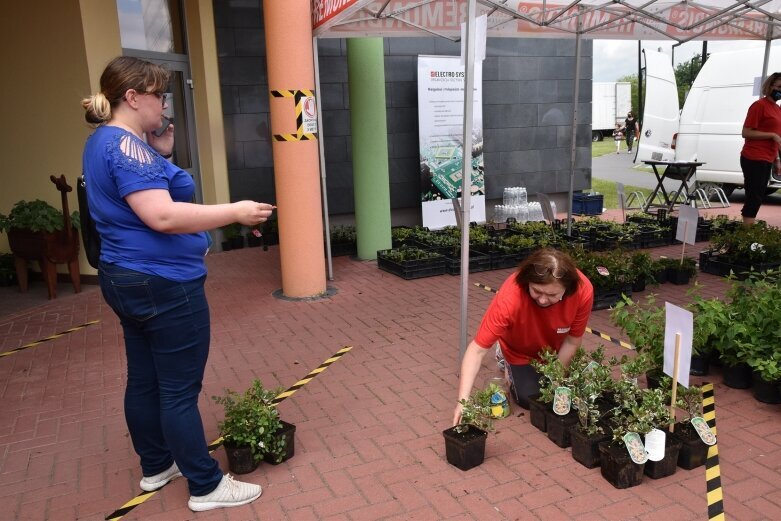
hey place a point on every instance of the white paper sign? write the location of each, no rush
(678, 320)
(687, 224)
(481, 32)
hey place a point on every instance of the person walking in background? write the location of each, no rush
(545, 304)
(618, 135)
(152, 273)
(762, 134)
(631, 130)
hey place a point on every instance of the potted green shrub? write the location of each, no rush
(642, 270)
(680, 271)
(254, 236)
(250, 428)
(270, 232)
(589, 379)
(708, 318)
(556, 395)
(343, 240)
(465, 442)
(694, 451)
(623, 459)
(233, 239)
(644, 325)
(552, 374)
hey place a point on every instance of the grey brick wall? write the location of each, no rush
(527, 111)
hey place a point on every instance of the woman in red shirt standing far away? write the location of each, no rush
(547, 302)
(762, 132)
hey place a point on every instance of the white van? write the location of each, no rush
(712, 117)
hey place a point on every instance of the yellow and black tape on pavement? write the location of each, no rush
(143, 496)
(601, 335)
(55, 336)
(297, 95)
(712, 469)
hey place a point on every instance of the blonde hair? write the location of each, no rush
(767, 85)
(120, 75)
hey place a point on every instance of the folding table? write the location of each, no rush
(683, 171)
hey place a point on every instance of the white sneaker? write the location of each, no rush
(150, 483)
(229, 493)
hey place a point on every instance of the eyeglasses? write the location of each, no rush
(541, 270)
(159, 95)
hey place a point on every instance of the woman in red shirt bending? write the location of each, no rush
(762, 132)
(547, 302)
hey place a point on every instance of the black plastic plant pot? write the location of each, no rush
(240, 460)
(226, 246)
(660, 276)
(677, 276)
(667, 465)
(638, 285)
(737, 376)
(558, 427)
(653, 378)
(617, 467)
(537, 414)
(237, 243)
(693, 451)
(465, 450)
(585, 449)
(700, 365)
(764, 391)
(287, 431)
(254, 242)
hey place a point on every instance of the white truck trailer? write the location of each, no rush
(610, 102)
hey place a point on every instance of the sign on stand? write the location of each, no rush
(678, 334)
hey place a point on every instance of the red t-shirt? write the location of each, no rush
(763, 115)
(523, 328)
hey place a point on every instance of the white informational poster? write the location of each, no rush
(441, 130)
(678, 321)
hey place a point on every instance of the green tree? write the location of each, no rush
(632, 79)
(685, 73)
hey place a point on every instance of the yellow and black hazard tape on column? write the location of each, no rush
(712, 469)
(601, 335)
(55, 336)
(297, 95)
(143, 496)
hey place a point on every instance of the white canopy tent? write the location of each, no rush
(681, 21)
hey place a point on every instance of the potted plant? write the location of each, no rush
(37, 232)
(254, 236)
(556, 394)
(644, 325)
(708, 318)
(589, 378)
(465, 442)
(270, 232)
(642, 270)
(250, 427)
(343, 240)
(680, 271)
(659, 267)
(552, 374)
(624, 458)
(233, 239)
(694, 451)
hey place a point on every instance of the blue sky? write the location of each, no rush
(616, 58)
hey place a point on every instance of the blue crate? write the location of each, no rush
(587, 204)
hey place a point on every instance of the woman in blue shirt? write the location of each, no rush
(152, 273)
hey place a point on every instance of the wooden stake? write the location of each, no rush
(674, 396)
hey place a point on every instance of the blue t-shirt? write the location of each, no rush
(116, 164)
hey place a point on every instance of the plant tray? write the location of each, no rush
(716, 264)
(340, 249)
(477, 262)
(412, 269)
(587, 204)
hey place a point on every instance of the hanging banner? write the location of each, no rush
(441, 131)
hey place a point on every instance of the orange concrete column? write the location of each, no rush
(288, 26)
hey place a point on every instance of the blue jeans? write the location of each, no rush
(166, 327)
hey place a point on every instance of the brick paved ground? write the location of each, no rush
(368, 442)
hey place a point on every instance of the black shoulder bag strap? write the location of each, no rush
(89, 233)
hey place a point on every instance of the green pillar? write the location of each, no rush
(366, 70)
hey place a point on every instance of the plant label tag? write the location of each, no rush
(704, 430)
(590, 367)
(634, 445)
(562, 401)
(654, 444)
(603, 271)
(500, 408)
(256, 232)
